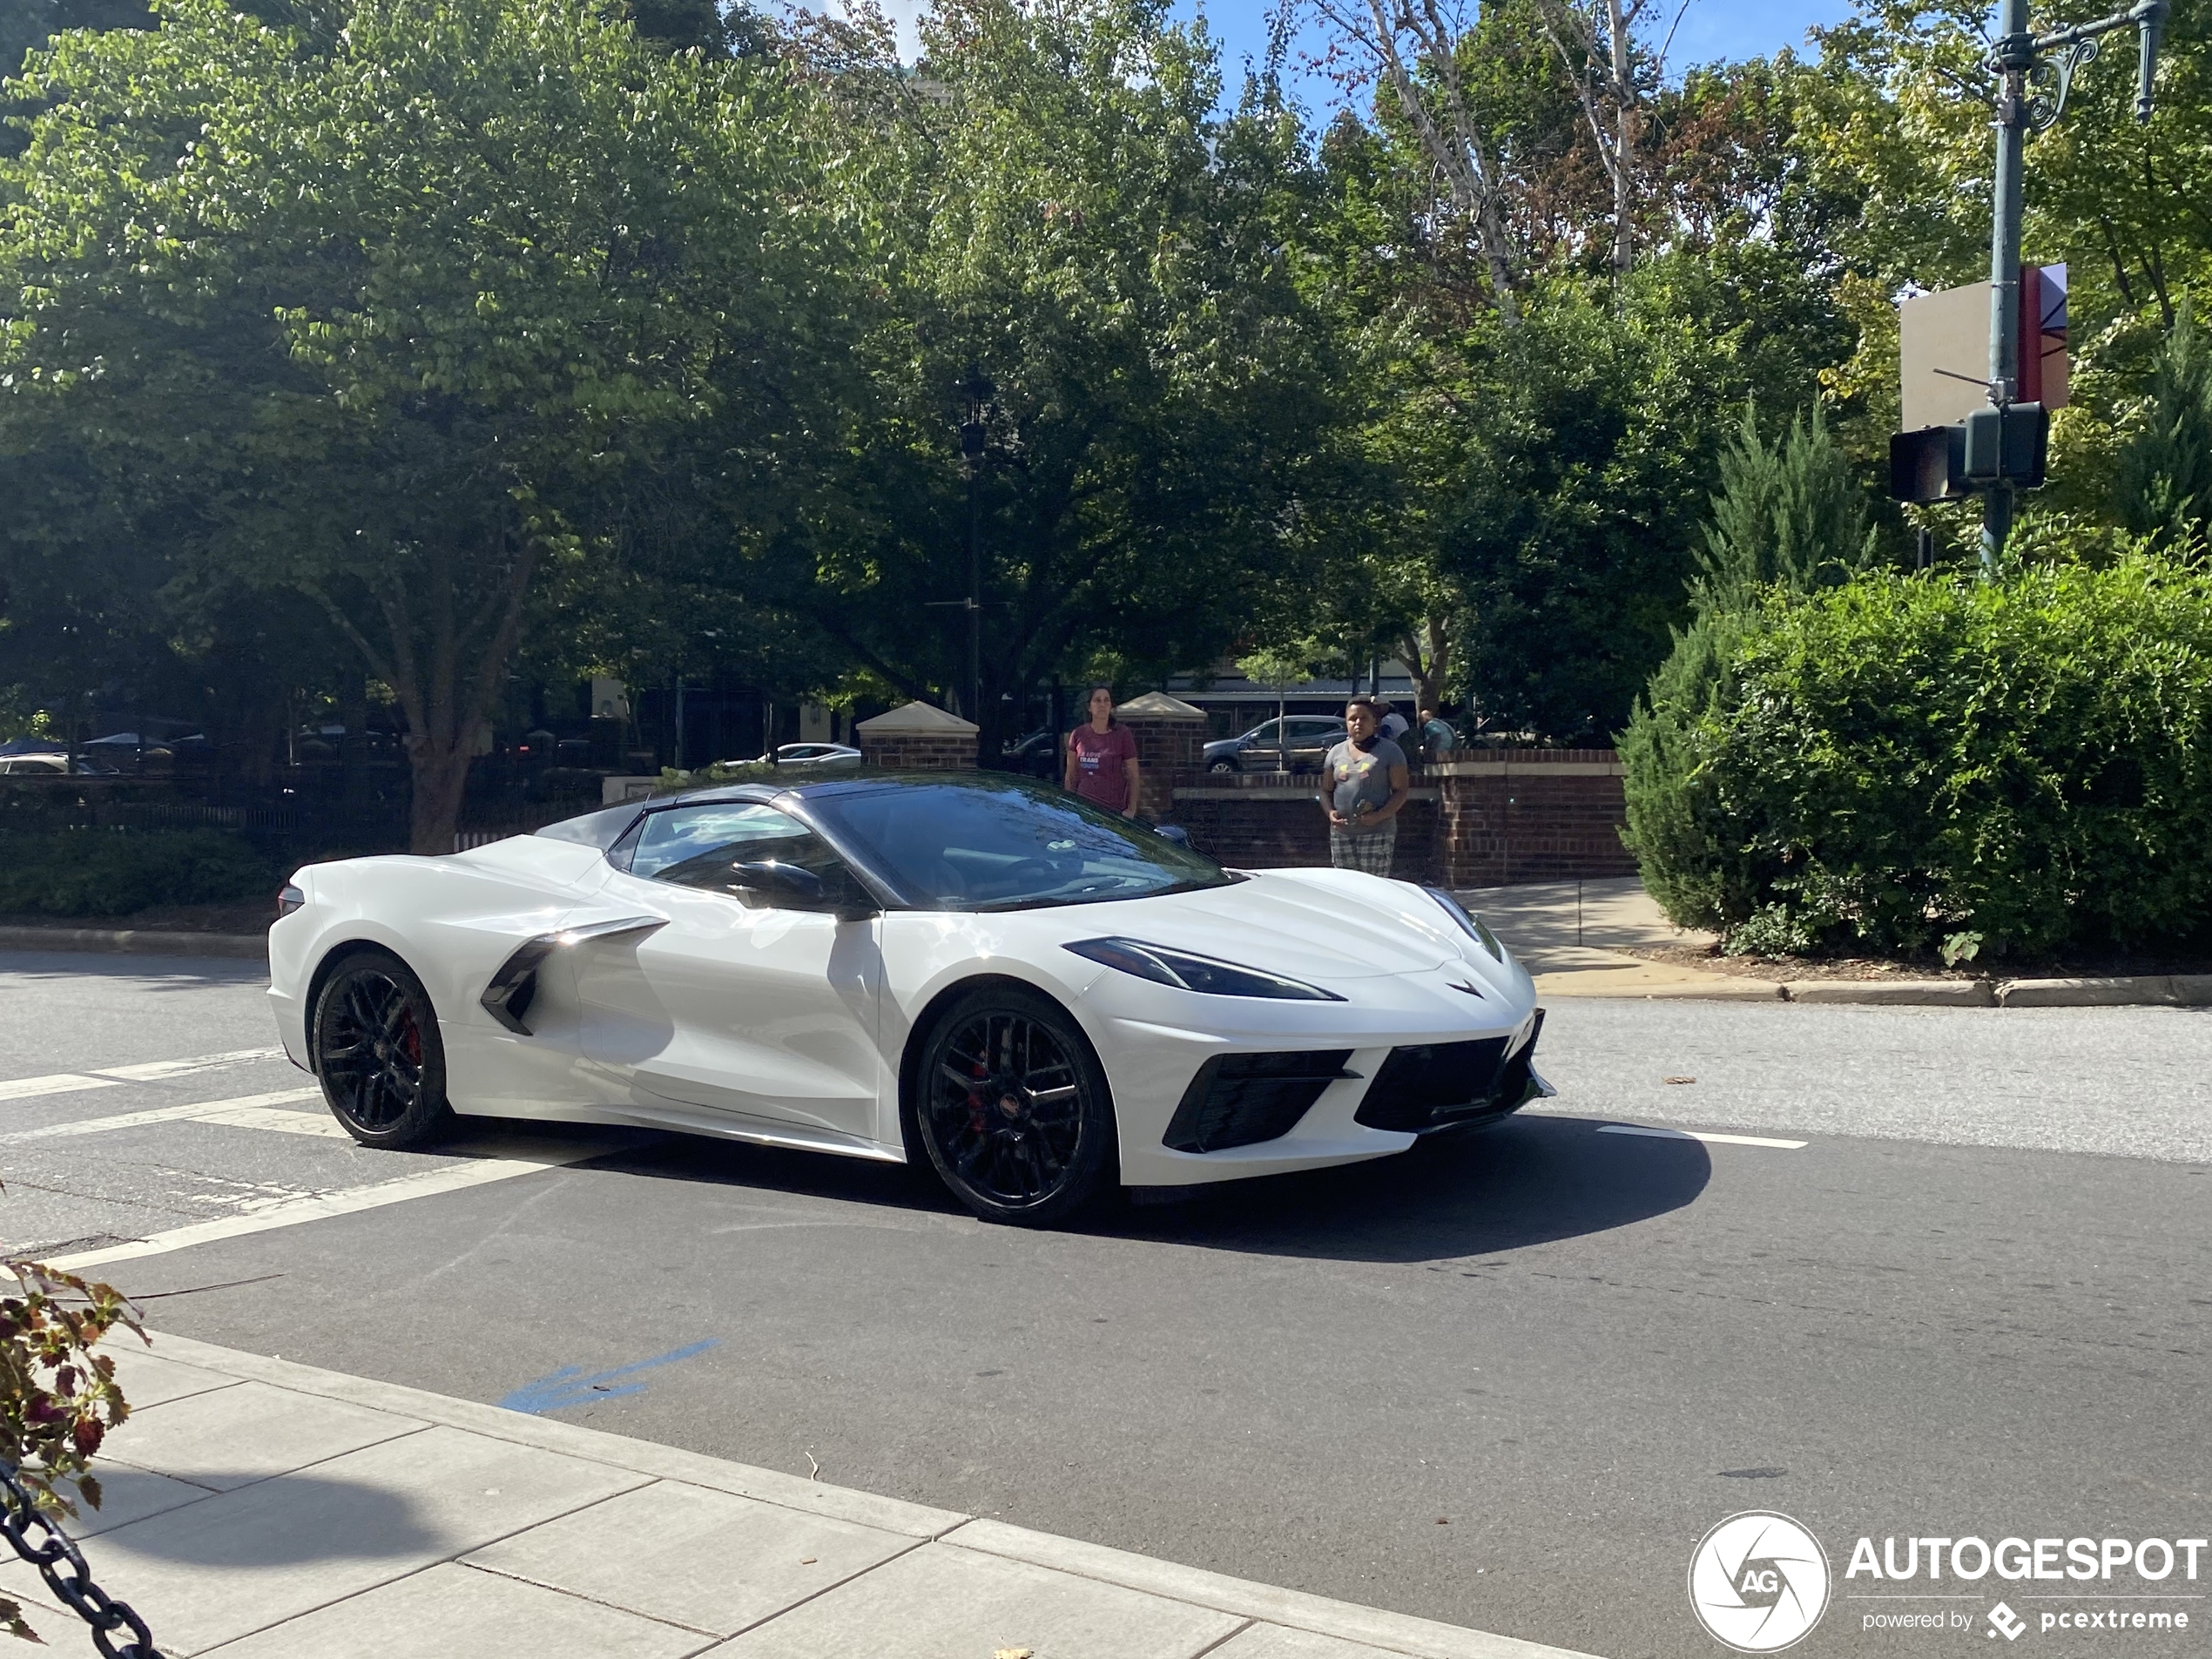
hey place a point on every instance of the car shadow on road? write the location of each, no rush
(1528, 1181)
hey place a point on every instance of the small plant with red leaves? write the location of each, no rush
(57, 1398)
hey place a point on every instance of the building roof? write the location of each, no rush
(1158, 705)
(917, 719)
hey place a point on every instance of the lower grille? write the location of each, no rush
(1427, 1085)
(1241, 1099)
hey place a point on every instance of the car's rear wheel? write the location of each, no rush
(1013, 1108)
(378, 1052)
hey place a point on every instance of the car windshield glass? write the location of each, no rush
(1003, 845)
(686, 843)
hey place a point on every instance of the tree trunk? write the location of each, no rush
(1624, 143)
(445, 671)
(441, 778)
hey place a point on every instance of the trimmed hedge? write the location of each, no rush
(118, 872)
(1915, 763)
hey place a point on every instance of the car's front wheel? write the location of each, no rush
(1013, 1108)
(1223, 766)
(378, 1052)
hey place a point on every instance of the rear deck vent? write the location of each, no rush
(1241, 1099)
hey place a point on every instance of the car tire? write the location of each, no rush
(1012, 1108)
(1223, 766)
(378, 1054)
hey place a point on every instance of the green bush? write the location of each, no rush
(116, 873)
(1916, 764)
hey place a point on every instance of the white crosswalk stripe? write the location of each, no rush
(70, 1082)
(250, 1110)
(476, 1171)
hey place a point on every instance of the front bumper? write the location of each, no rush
(1230, 1110)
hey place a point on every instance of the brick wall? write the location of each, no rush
(914, 751)
(1257, 821)
(1166, 749)
(1489, 819)
(1531, 815)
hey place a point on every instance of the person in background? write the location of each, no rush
(1102, 757)
(1394, 725)
(1437, 739)
(1364, 784)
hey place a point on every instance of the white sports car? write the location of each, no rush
(1039, 997)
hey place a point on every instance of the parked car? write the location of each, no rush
(815, 757)
(34, 765)
(1310, 738)
(972, 972)
(1036, 755)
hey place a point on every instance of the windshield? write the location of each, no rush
(1004, 844)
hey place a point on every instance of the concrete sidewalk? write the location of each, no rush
(1574, 937)
(257, 1508)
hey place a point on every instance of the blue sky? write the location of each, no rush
(1709, 29)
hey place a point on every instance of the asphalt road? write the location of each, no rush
(1507, 1381)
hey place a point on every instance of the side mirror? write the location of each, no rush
(1174, 832)
(787, 882)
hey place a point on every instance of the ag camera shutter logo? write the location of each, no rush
(1758, 1582)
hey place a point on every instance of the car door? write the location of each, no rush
(1263, 749)
(751, 1001)
(1310, 741)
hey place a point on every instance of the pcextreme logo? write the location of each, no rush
(1758, 1581)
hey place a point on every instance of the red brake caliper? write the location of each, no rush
(976, 1105)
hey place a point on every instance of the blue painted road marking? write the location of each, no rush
(569, 1386)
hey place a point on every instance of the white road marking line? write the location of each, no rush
(62, 1082)
(153, 1069)
(203, 1109)
(291, 1212)
(66, 1082)
(244, 1116)
(1701, 1135)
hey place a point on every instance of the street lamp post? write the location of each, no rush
(2022, 59)
(974, 441)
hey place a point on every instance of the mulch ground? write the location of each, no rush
(1709, 960)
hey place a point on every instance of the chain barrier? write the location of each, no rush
(39, 1541)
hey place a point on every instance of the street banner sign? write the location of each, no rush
(1943, 349)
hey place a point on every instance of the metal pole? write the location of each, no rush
(2014, 54)
(974, 606)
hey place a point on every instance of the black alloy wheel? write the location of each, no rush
(378, 1052)
(1013, 1108)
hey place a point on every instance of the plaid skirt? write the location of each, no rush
(1370, 853)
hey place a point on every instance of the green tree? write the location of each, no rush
(389, 312)
(2165, 484)
(1052, 202)
(1789, 514)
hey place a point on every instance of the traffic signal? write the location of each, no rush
(1992, 445)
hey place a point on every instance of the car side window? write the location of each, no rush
(703, 846)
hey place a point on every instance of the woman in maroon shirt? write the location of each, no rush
(1102, 757)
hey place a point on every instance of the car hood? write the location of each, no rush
(1310, 924)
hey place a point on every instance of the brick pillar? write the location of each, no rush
(1170, 735)
(917, 738)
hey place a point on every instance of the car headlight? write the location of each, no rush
(289, 899)
(1203, 974)
(1470, 924)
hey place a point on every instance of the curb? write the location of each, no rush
(1398, 1633)
(143, 942)
(2144, 990)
